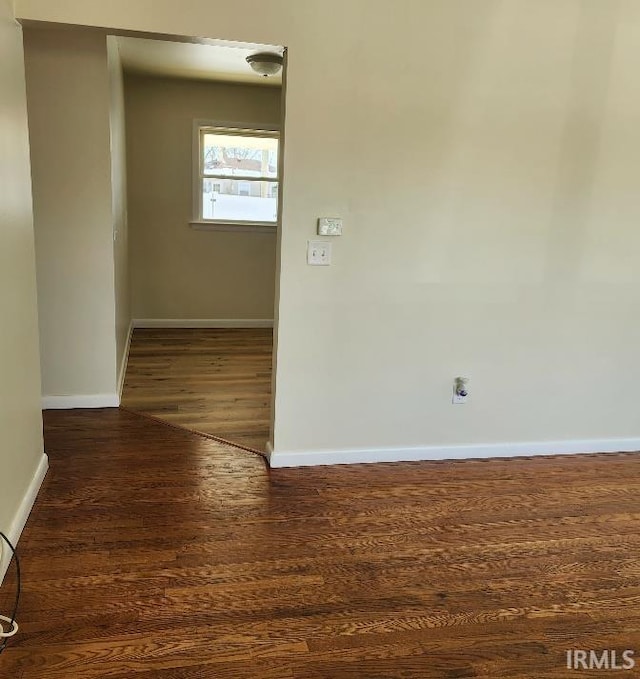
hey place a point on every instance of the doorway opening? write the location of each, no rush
(194, 140)
(203, 297)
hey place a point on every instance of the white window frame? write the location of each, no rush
(201, 127)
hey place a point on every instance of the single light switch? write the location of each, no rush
(329, 226)
(318, 253)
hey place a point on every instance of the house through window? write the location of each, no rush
(237, 181)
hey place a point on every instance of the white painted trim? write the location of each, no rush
(203, 323)
(80, 401)
(20, 519)
(238, 227)
(124, 361)
(269, 451)
(483, 451)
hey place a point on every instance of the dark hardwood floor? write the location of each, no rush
(153, 553)
(215, 381)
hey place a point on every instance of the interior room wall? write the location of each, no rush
(21, 452)
(178, 272)
(68, 93)
(484, 156)
(120, 224)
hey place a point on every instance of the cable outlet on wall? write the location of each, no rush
(460, 391)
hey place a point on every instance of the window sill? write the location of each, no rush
(240, 227)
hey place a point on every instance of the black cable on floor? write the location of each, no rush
(4, 640)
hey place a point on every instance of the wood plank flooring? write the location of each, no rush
(153, 553)
(208, 380)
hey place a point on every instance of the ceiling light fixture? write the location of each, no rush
(265, 63)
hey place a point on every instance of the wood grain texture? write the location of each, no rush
(215, 381)
(153, 553)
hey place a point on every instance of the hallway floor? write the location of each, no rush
(216, 381)
(153, 553)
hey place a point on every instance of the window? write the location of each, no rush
(237, 177)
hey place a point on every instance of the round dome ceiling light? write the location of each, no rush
(265, 63)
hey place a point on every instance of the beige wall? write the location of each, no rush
(119, 206)
(178, 272)
(69, 103)
(503, 243)
(20, 418)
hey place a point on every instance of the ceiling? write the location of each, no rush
(222, 62)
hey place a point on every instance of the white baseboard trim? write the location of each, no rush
(124, 362)
(203, 323)
(14, 531)
(269, 451)
(483, 451)
(80, 401)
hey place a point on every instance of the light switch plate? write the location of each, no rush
(329, 226)
(318, 253)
